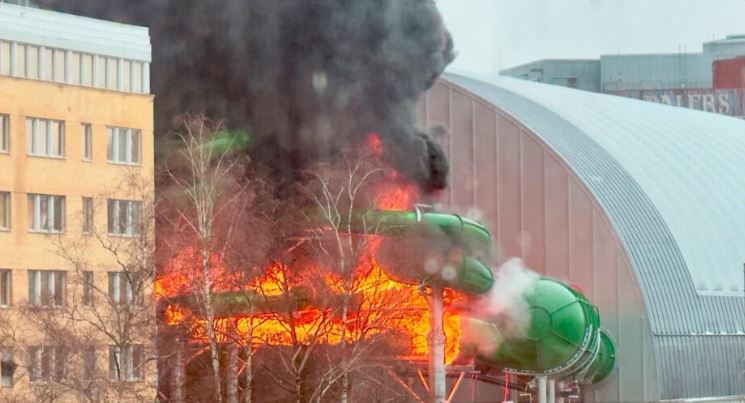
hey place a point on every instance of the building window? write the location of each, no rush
(89, 362)
(45, 137)
(7, 368)
(126, 76)
(87, 141)
(4, 211)
(48, 64)
(76, 76)
(46, 213)
(136, 77)
(123, 145)
(47, 363)
(5, 287)
(86, 70)
(46, 288)
(87, 215)
(59, 65)
(125, 364)
(112, 73)
(4, 133)
(5, 58)
(100, 66)
(20, 60)
(32, 62)
(88, 288)
(123, 217)
(125, 288)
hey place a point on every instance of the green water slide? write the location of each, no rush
(561, 339)
(416, 234)
(228, 142)
(247, 302)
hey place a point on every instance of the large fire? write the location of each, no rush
(380, 307)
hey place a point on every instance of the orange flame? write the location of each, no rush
(382, 306)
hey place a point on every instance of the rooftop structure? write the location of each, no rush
(73, 50)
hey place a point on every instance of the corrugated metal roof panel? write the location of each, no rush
(72, 32)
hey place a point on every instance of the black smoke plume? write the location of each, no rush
(306, 77)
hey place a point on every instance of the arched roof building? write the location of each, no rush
(639, 204)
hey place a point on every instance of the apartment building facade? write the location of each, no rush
(76, 169)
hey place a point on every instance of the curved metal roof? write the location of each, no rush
(672, 182)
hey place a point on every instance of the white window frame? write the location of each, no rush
(132, 216)
(6, 288)
(5, 214)
(36, 292)
(33, 137)
(89, 362)
(113, 142)
(127, 371)
(34, 201)
(4, 134)
(6, 362)
(36, 364)
(87, 141)
(121, 291)
(88, 283)
(87, 214)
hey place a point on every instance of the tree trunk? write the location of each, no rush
(210, 316)
(345, 374)
(299, 388)
(231, 376)
(249, 375)
(178, 375)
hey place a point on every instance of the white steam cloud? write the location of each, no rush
(503, 313)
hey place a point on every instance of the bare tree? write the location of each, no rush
(344, 240)
(78, 316)
(207, 200)
(320, 314)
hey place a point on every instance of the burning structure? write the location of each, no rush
(308, 81)
(399, 258)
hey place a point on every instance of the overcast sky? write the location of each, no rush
(491, 35)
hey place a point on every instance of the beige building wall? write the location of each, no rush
(70, 176)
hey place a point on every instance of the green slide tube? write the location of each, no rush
(442, 231)
(228, 142)
(602, 365)
(247, 302)
(562, 338)
(463, 231)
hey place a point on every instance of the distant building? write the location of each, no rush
(731, 46)
(679, 79)
(655, 71)
(579, 74)
(76, 120)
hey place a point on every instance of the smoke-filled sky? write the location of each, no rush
(491, 35)
(308, 79)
